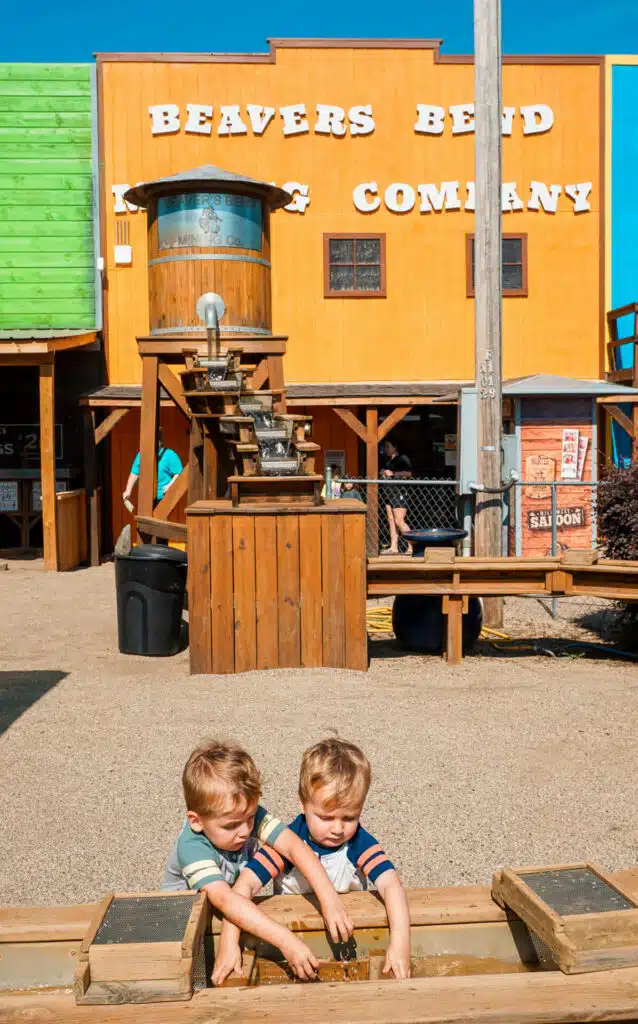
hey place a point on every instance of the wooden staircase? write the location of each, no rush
(248, 419)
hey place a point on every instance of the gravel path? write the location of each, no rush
(506, 759)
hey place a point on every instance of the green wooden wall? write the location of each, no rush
(47, 257)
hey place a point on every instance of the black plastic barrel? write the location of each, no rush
(417, 619)
(150, 583)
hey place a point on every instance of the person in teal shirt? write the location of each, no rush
(169, 466)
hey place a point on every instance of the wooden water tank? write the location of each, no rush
(209, 231)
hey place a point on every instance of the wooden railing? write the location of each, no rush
(71, 529)
(628, 374)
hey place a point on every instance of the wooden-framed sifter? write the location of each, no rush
(579, 917)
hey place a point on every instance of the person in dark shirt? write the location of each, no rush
(397, 467)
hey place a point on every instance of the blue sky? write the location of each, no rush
(72, 30)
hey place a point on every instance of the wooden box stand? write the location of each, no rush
(135, 951)
(277, 586)
(580, 914)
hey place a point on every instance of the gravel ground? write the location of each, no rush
(509, 758)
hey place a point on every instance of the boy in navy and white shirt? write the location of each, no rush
(333, 785)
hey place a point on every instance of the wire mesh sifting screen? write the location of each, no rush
(575, 891)
(151, 919)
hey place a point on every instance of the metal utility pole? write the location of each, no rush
(487, 281)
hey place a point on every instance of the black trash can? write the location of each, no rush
(150, 583)
(417, 619)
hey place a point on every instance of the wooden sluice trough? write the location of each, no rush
(472, 962)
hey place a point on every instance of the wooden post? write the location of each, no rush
(372, 473)
(276, 381)
(487, 280)
(147, 483)
(90, 484)
(47, 465)
(196, 462)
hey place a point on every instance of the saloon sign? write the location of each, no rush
(566, 518)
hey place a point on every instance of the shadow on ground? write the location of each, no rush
(530, 647)
(19, 690)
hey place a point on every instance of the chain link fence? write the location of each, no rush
(539, 518)
(427, 504)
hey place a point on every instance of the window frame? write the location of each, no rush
(328, 292)
(506, 292)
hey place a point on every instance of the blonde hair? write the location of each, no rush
(335, 765)
(217, 773)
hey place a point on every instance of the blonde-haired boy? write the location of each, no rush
(224, 828)
(333, 785)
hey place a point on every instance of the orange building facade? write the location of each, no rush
(372, 262)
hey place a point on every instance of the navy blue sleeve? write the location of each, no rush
(368, 856)
(267, 863)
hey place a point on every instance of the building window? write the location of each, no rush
(354, 266)
(513, 265)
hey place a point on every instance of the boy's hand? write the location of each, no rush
(397, 960)
(302, 961)
(227, 959)
(338, 923)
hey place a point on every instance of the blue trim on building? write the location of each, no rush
(624, 219)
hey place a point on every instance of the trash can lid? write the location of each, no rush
(157, 553)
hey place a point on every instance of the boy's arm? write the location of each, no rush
(393, 895)
(333, 911)
(228, 957)
(243, 913)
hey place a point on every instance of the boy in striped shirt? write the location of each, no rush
(224, 828)
(333, 785)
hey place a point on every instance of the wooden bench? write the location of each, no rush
(456, 579)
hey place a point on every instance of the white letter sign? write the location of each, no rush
(360, 197)
(294, 119)
(361, 120)
(164, 118)
(330, 120)
(579, 194)
(429, 119)
(199, 117)
(537, 118)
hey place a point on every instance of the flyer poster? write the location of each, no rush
(569, 459)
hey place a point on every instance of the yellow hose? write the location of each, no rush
(379, 620)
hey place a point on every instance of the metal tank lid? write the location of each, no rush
(206, 177)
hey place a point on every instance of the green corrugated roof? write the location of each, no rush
(47, 257)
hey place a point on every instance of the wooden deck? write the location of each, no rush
(456, 579)
(550, 997)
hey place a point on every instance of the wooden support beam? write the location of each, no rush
(170, 383)
(90, 484)
(618, 376)
(352, 421)
(621, 419)
(372, 473)
(277, 382)
(47, 466)
(10, 358)
(106, 426)
(149, 528)
(196, 462)
(453, 607)
(173, 495)
(628, 399)
(392, 419)
(260, 376)
(147, 484)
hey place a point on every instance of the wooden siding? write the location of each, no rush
(47, 260)
(424, 329)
